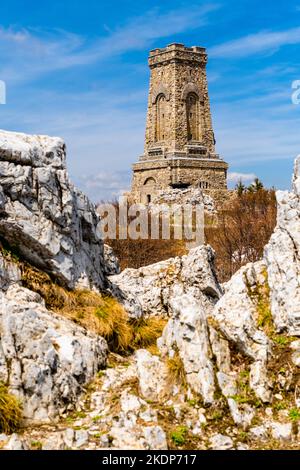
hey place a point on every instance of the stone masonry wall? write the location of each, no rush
(174, 70)
(179, 142)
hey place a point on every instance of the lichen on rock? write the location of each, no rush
(51, 223)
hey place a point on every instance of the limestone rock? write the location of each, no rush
(111, 262)
(192, 195)
(281, 431)
(69, 437)
(296, 358)
(242, 415)
(259, 432)
(54, 441)
(81, 438)
(237, 317)
(15, 443)
(52, 224)
(115, 378)
(295, 345)
(220, 442)
(149, 290)
(283, 259)
(155, 437)
(45, 358)
(242, 446)
(3, 437)
(152, 374)
(187, 333)
(227, 384)
(236, 314)
(221, 351)
(9, 273)
(128, 432)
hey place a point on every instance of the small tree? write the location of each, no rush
(240, 187)
(257, 185)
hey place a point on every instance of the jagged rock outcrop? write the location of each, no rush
(152, 374)
(185, 289)
(50, 222)
(237, 318)
(149, 290)
(282, 257)
(241, 379)
(111, 262)
(193, 196)
(187, 334)
(204, 325)
(44, 359)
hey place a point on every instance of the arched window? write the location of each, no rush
(193, 116)
(149, 190)
(150, 182)
(161, 110)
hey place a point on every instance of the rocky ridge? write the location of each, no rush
(225, 374)
(53, 224)
(45, 359)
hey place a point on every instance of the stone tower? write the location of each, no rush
(179, 145)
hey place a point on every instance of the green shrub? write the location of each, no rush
(294, 414)
(179, 436)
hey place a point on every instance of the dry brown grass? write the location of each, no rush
(10, 411)
(241, 230)
(95, 312)
(136, 253)
(146, 331)
(103, 315)
(55, 296)
(99, 313)
(176, 372)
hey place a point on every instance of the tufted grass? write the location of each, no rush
(260, 296)
(10, 411)
(146, 331)
(96, 312)
(99, 313)
(176, 372)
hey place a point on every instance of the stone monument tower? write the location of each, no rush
(179, 145)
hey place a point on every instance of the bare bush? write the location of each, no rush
(242, 230)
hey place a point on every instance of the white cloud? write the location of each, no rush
(35, 52)
(264, 41)
(103, 128)
(26, 55)
(246, 135)
(105, 185)
(235, 177)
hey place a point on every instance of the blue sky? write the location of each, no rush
(79, 70)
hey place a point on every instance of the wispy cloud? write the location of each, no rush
(105, 185)
(235, 177)
(37, 52)
(251, 134)
(261, 42)
(88, 119)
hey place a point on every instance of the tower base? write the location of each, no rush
(152, 176)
